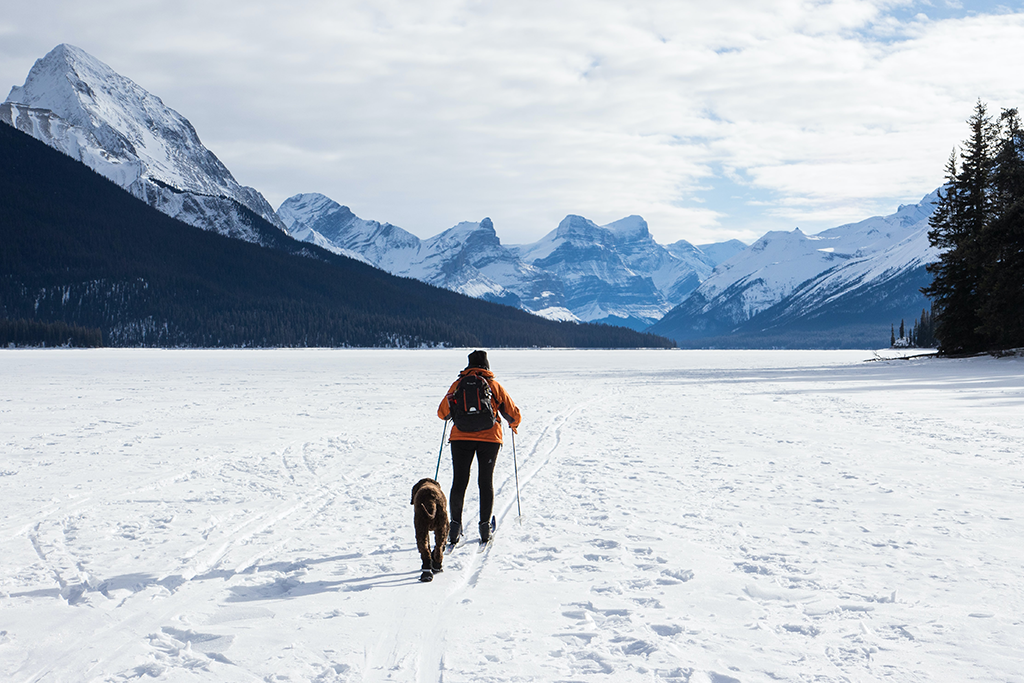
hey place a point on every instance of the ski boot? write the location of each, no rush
(486, 529)
(454, 533)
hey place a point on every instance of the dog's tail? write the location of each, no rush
(430, 508)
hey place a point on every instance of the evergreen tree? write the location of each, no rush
(1002, 244)
(922, 335)
(961, 215)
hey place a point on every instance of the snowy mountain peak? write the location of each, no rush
(320, 220)
(630, 228)
(61, 79)
(473, 242)
(911, 214)
(77, 104)
(84, 91)
(576, 227)
(125, 118)
(465, 228)
(718, 252)
(309, 208)
(779, 242)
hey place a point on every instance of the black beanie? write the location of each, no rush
(478, 359)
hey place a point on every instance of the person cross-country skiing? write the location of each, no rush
(477, 435)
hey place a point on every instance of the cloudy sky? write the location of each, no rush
(712, 120)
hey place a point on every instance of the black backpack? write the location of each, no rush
(470, 404)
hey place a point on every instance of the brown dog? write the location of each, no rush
(431, 514)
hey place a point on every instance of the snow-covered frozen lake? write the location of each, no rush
(686, 516)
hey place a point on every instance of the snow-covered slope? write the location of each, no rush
(801, 274)
(676, 270)
(718, 252)
(822, 295)
(316, 219)
(598, 280)
(77, 104)
(618, 273)
(470, 258)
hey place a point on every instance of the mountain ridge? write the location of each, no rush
(789, 283)
(77, 104)
(615, 274)
(80, 250)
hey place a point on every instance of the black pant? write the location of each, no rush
(486, 454)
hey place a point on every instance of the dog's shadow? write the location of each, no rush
(289, 587)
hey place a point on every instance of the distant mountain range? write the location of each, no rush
(79, 250)
(614, 274)
(842, 287)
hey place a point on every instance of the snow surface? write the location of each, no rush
(686, 516)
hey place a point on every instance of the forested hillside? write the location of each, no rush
(79, 250)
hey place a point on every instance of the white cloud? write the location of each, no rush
(424, 114)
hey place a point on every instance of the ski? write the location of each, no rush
(482, 543)
(452, 546)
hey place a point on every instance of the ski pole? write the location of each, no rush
(516, 466)
(444, 431)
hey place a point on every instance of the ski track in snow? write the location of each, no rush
(686, 516)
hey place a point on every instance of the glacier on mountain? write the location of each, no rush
(77, 104)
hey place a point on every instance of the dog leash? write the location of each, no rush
(444, 431)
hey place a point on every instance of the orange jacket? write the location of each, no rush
(501, 403)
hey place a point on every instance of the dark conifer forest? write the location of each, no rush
(978, 286)
(81, 259)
